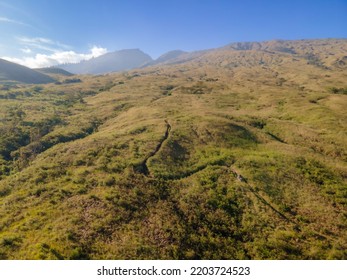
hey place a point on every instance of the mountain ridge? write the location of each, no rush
(128, 59)
(282, 46)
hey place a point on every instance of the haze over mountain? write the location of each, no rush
(166, 57)
(110, 62)
(135, 58)
(10, 71)
(120, 61)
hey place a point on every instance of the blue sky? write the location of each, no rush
(45, 32)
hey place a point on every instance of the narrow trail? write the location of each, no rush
(261, 199)
(142, 167)
(298, 226)
(290, 219)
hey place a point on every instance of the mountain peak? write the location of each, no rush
(116, 61)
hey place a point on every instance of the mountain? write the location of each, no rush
(238, 152)
(10, 71)
(166, 58)
(170, 55)
(254, 53)
(110, 62)
(285, 46)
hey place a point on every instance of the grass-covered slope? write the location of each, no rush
(220, 157)
(12, 72)
(54, 71)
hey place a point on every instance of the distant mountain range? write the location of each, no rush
(171, 55)
(124, 60)
(117, 61)
(14, 72)
(110, 62)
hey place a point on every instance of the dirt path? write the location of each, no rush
(142, 167)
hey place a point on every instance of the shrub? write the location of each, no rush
(335, 90)
(72, 81)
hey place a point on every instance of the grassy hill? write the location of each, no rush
(232, 153)
(12, 72)
(54, 71)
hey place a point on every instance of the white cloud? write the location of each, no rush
(57, 57)
(43, 52)
(97, 51)
(8, 20)
(26, 50)
(42, 44)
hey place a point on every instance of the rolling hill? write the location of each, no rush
(53, 71)
(233, 153)
(14, 72)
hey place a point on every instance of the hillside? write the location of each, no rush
(110, 62)
(234, 153)
(10, 72)
(54, 71)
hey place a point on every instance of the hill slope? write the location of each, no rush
(14, 72)
(110, 62)
(54, 71)
(232, 153)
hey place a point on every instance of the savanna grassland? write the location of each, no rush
(233, 153)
